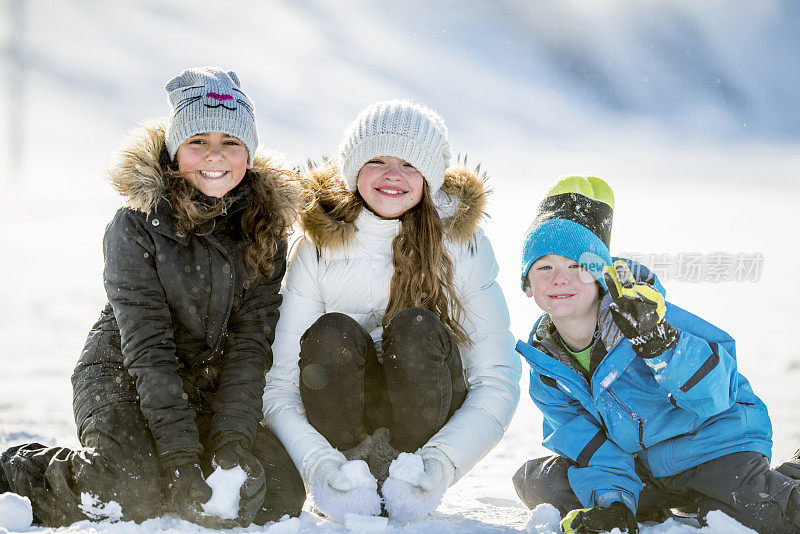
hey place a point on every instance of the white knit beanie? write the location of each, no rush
(401, 129)
(207, 99)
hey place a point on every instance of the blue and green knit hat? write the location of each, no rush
(574, 221)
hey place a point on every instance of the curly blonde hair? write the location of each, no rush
(264, 223)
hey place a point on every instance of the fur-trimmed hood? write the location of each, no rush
(137, 173)
(461, 203)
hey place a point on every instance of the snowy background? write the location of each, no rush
(691, 110)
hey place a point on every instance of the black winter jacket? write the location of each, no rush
(194, 333)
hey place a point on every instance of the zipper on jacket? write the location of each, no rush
(222, 336)
(633, 415)
(641, 434)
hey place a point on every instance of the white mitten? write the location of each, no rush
(340, 487)
(417, 483)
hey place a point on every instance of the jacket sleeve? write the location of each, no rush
(491, 365)
(284, 413)
(135, 293)
(700, 375)
(251, 331)
(601, 472)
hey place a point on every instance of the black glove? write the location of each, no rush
(638, 310)
(254, 488)
(600, 519)
(791, 468)
(188, 491)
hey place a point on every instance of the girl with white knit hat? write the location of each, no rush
(393, 336)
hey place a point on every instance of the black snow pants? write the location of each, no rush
(348, 393)
(741, 485)
(119, 462)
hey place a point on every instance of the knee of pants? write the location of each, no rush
(140, 497)
(330, 332)
(544, 480)
(135, 483)
(332, 351)
(410, 321)
(332, 324)
(416, 332)
(55, 479)
(284, 497)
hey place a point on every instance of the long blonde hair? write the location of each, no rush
(423, 271)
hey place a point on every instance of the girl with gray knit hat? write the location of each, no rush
(169, 384)
(394, 370)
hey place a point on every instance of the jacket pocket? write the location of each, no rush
(636, 423)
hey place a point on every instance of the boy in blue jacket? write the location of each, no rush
(642, 401)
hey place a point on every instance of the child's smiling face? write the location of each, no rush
(561, 287)
(213, 162)
(390, 186)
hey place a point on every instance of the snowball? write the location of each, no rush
(544, 518)
(335, 505)
(94, 508)
(225, 485)
(408, 468)
(15, 512)
(365, 523)
(358, 472)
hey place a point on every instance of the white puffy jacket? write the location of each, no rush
(341, 267)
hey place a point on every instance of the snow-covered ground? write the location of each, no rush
(710, 178)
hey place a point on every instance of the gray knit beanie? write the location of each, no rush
(401, 129)
(207, 99)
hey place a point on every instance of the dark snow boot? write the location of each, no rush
(360, 451)
(381, 455)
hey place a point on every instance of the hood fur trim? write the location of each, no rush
(137, 174)
(323, 189)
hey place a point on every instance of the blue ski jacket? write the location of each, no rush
(673, 412)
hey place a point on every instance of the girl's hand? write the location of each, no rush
(188, 491)
(253, 490)
(417, 483)
(340, 487)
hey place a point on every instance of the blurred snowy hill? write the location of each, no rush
(508, 72)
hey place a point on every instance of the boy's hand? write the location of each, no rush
(638, 310)
(600, 519)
